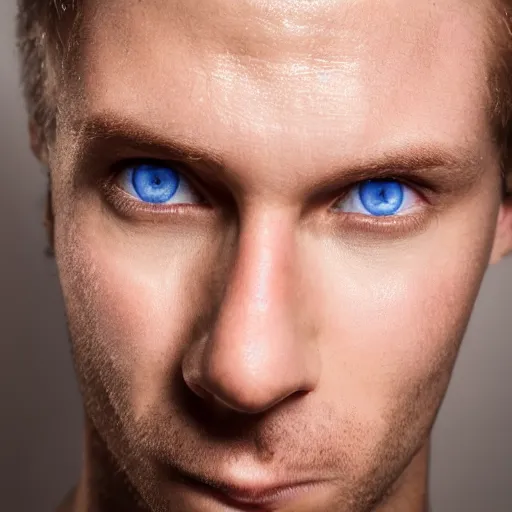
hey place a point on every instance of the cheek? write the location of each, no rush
(134, 302)
(393, 318)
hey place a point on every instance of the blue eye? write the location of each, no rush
(381, 197)
(378, 198)
(157, 184)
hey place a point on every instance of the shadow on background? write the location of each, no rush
(41, 414)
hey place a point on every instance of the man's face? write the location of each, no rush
(246, 308)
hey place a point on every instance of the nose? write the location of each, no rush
(258, 352)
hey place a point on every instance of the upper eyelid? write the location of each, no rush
(131, 163)
(187, 169)
(190, 175)
(198, 186)
(354, 188)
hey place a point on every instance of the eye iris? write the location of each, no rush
(155, 184)
(381, 197)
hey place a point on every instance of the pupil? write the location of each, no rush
(381, 197)
(155, 184)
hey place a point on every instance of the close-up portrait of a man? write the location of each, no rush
(271, 220)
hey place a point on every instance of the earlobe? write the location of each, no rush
(503, 238)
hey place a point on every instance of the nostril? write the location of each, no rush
(200, 391)
(211, 399)
(215, 403)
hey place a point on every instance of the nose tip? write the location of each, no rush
(256, 354)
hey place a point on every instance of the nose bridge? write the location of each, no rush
(262, 276)
(254, 357)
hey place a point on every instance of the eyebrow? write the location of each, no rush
(451, 163)
(111, 132)
(100, 130)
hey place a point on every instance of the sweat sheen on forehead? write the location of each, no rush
(343, 76)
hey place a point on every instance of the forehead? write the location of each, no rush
(353, 73)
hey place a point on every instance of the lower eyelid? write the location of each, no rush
(128, 207)
(381, 228)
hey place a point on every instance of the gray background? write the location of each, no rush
(39, 405)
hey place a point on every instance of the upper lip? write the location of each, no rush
(256, 494)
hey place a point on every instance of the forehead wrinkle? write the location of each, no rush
(235, 25)
(257, 18)
(264, 30)
(231, 33)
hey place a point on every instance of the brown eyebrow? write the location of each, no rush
(109, 132)
(448, 169)
(107, 128)
(421, 159)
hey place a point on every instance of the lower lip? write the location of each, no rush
(265, 502)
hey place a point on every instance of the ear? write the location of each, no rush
(503, 238)
(40, 150)
(38, 142)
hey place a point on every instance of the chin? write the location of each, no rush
(186, 476)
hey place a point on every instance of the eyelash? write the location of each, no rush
(381, 226)
(392, 225)
(126, 205)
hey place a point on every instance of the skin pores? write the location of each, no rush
(262, 336)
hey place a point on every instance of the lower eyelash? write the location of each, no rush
(128, 206)
(390, 226)
(393, 226)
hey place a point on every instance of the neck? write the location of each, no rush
(103, 487)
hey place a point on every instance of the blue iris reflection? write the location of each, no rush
(155, 184)
(381, 197)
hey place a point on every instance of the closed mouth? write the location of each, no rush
(253, 498)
